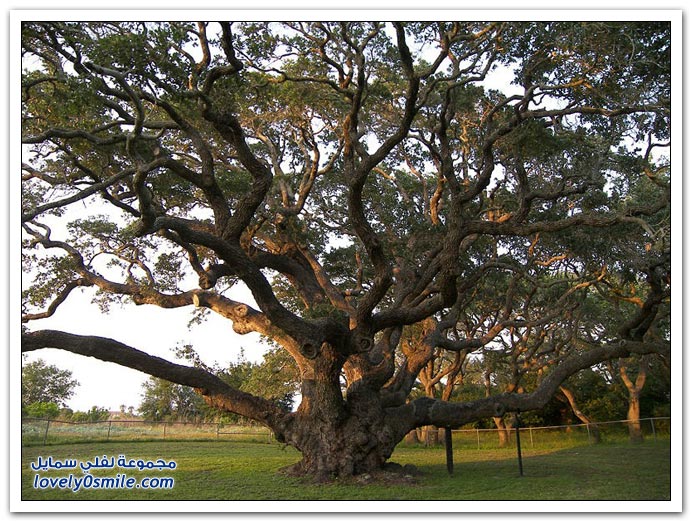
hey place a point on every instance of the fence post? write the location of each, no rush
(164, 430)
(653, 428)
(517, 422)
(45, 434)
(110, 423)
(448, 448)
(217, 430)
(588, 433)
(531, 435)
(478, 437)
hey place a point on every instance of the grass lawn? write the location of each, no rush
(248, 471)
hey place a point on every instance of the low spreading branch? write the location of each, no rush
(208, 385)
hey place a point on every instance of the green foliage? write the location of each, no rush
(55, 271)
(45, 383)
(41, 410)
(164, 400)
(598, 395)
(94, 414)
(275, 378)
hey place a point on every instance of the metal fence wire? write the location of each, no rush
(44, 431)
(651, 428)
(50, 431)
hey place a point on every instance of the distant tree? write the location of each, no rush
(274, 379)
(164, 400)
(46, 383)
(42, 410)
(94, 414)
(643, 387)
(66, 414)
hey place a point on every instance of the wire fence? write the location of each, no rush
(650, 428)
(44, 431)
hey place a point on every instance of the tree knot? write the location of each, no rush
(310, 349)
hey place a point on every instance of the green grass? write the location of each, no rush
(248, 471)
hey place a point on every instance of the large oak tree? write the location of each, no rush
(380, 197)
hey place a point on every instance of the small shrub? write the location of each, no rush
(42, 410)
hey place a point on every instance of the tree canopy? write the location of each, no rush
(381, 198)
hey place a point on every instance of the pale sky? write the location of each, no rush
(147, 328)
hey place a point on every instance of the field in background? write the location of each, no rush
(223, 470)
(40, 431)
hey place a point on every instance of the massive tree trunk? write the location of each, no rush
(355, 431)
(356, 440)
(338, 435)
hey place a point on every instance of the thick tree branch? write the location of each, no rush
(362, 227)
(230, 129)
(211, 387)
(426, 411)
